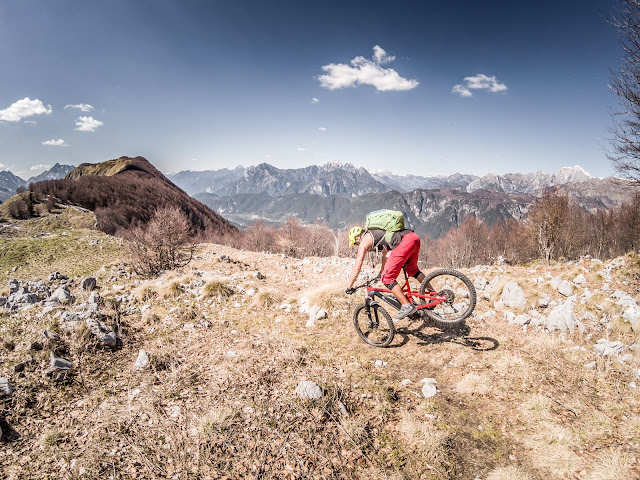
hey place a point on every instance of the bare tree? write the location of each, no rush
(625, 83)
(548, 219)
(164, 243)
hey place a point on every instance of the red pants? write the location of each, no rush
(406, 253)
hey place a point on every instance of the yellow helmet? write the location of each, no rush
(353, 233)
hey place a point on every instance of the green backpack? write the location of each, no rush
(390, 221)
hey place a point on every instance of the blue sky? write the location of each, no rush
(409, 86)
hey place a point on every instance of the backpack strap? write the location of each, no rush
(375, 247)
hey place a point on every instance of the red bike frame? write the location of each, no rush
(431, 299)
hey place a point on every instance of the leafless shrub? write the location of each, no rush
(165, 243)
(18, 209)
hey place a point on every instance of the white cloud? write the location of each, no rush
(55, 143)
(366, 72)
(24, 108)
(39, 167)
(300, 149)
(314, 100)
(2, 166)
(479, 82)
(87, 124)
(462, 91)
(85, 107)
(323, 129)
(381, 57)
(31, 122)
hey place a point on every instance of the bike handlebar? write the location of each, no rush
(368, 282)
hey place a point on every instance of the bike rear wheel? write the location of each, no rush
(374, 324)
(459, 292)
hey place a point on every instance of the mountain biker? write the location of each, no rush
(402, 251)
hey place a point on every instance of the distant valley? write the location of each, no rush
(341, 194)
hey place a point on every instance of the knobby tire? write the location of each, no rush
(374, 325)
(450, 313)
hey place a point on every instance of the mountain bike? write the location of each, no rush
(446, 296)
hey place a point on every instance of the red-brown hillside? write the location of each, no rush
(126, 192)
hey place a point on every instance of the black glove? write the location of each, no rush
(349, 291)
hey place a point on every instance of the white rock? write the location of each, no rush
(608, 348)
(142, 361)
(309, 390)
(5, 387)
(488, 314)
(563, 317)
(513, 296)
(626, 358)
(380, 363)
(481, 283)
(580, 280)
(429, 388)
(320, 314)
(590, 366)
(565, 288)
(522, 319)
(405, 382)
(544, 300)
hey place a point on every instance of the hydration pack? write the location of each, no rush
(390, 221)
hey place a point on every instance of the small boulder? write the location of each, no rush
(608, 348)
(565, 288)
(142, 361)
(429, 388)
(544, 300)
(59, 368)
(563, 317)
(513, 296)
(95, 299)
(89, 283)
(102, 332)
(480, 283)
(14, 285)
(62, 295)
(580, 280)
(5, 387)
(309, 390)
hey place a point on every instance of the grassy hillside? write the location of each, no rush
(65, 240)
(228, 348)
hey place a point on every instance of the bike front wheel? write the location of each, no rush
(374, 325)
(459, 294)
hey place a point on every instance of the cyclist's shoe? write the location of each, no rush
(405, 311)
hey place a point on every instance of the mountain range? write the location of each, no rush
(10, 182)
(341, 194)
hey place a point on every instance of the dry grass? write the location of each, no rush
(508, 473)
(266, 299)
(613, 464)
(217, 289)
(328, 297)
(217, 400)
(474, 384)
